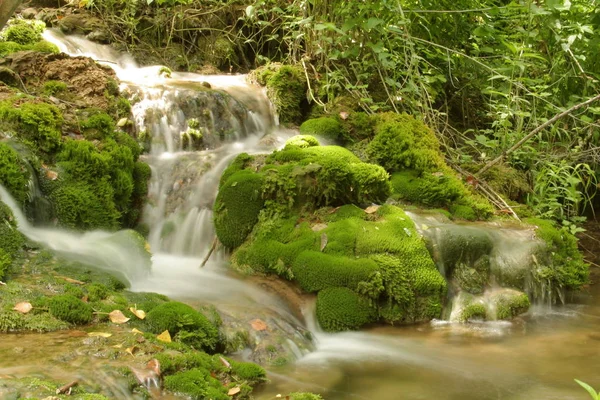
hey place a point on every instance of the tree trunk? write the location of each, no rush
(7, 8)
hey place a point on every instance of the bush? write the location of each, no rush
(237, 206)
(179, 318)
(70, 309)
(325, 127)
(14, 175)
(340, 309)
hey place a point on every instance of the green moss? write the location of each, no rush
(194, 328)
(302, 141)
(37, 124)
(237, 206)
(98, 126)
(11, 239)
(473, 278)
(52, 88)
(5, 263)
(70, 309)
(198, 384)
(510, 304)
(430, 189)
(473, 311)
(96, 292)
(565, 264)
(325, 127)
(315, 271)
(44, 47)
(22, 33)
(304, 396)
(340, 309)
(286, 87)
(74, 291)
(14, 175)
(345, 212)
(240, 162)
(249, 372)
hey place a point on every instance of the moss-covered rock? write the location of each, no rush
(23, 32)
(304, 396)
(186, 324)
(509, 303)
(14, 175)
(237, 206)
(340, 309)
(70, 309)
(196, 384)
(11, 240)
(325, 127)
(302, 141)
(286, 87)
(430, 189)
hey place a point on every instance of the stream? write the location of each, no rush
(535, 356)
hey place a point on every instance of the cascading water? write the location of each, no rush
(439, 360)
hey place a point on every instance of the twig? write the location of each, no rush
(212, 248)
(535, 131)
(66, 389)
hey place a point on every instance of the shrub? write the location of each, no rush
(178, 318)
(70, 309)
(325, 127)
(340, 309)
(237, 206)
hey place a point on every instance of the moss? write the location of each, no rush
(304, 396)
(473, 278)
(325, 127)
(70, 309)
(74, 291)
(463, 245)
(430, 189)
(315, 271)
(14, 175)
(5, 263)
(472, 311)
(52, 88)
(345, 212)
(11, 240)
(37, 124)
(198, 384)
(510, 304)
(44, 47)
(237, 206)
(302, 141)
(98, 126)
(194, 328)
(22, 33)
(249, 372)
(340, 309)
(564, 262)
(240, 162)
(286, 87)
(96, 292)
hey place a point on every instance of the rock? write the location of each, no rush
(99, 36)
(206, 85)
(81, 23)
(29, 13)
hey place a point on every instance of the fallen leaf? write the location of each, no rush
(71, 280)
(141, 314)
(51, 175)
(234, 391)
(131, 350)
(23, 307)
(164, 337)
(140, 339)
(122, 122)
(118, 346)
(225, 362)
(323, 241)
(100, 334)
(85, 299)
(135, 330)
(318, 227)
(344, 115)
(117, 317)
(258, 325)
(371, 209)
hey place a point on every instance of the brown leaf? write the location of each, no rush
(137, 331)
(141, 314)
(371, 209)
(164, 337)
(233, 391)
(51, 175)
(85, 298)
(100, 334)
(23, 307)
(344, 115)
(258, 325)
(117, 317)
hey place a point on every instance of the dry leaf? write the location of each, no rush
(258, 325)
(318, 227)
(71, 280)
(344, 115)
(323, 241)
(141, 314)
(118, 346)
(117, 317)
(225, 362)
(100, 334)
(51, 175)
(371, 209)
(85, 299)
(131, 350)
(164, 337)
(234, 391)
(23, 307)
(135, 330)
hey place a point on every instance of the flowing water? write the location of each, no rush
(535, 356)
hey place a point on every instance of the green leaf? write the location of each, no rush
(372, 23)
(589, 389)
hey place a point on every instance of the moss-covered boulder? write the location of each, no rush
(326, 127)
(497, 304)
(302, 141)
(186, 324)
(14, 175)
(237, 207)
(340, 309)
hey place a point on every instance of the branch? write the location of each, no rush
(534, 132)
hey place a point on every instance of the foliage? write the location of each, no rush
(589, 389)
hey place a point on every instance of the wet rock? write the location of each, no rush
(80, 23)
(29, 13)
(99, 36)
